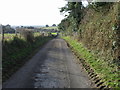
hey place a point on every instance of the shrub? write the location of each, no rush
(28, 35)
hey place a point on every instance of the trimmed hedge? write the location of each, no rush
(15, 53)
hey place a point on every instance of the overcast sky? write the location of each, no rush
(30, 12)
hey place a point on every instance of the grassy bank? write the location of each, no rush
(108, 72)
(16, 53)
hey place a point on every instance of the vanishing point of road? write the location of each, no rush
(53, 66)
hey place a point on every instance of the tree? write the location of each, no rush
(100, 6)
(30, 27)
(54, 25)
(75, 15)
(47, 25)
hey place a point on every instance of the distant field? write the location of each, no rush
(9, 36)
(50, 27)
(54, 33)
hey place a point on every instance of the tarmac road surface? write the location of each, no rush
(54, 66)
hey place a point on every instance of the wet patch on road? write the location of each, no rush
(50, 76)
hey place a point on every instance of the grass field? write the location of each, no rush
(50, 27)
(10, 36)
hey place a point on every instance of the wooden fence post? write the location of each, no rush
(2, 33)
(16, 32)
(0, 55)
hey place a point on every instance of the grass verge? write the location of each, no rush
(108, 73)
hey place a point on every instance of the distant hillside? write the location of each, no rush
(37, 26)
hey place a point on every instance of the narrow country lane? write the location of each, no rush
(54, 66)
